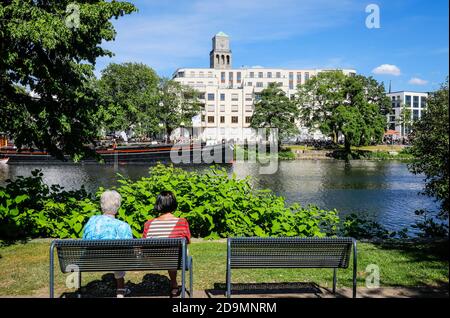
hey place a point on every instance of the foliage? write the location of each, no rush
(42, 54)
(214, 204)
(430, 148)
(355, 106)
(275, 110)
(218, 206)
(177, 105)
(30, 208)
(129, 96)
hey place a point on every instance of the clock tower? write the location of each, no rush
(221, 56)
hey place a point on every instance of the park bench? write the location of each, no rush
(252, 253)
(122, 255)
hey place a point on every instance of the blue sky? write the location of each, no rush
(410, 48)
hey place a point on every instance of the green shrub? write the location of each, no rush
(214, 204)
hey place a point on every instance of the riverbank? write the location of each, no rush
(378, 152)
(412, 266)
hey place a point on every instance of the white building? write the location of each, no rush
(415, 102)
(228, 95)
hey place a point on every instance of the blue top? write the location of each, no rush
(103, 227)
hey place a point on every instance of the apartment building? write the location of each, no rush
(228, 94)
(415, 102)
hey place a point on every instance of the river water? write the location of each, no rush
(383, 190)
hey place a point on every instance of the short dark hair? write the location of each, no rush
(166, 202)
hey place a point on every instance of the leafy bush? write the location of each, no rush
(214, 204)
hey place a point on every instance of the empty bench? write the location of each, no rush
(122, 255)
(255, 253)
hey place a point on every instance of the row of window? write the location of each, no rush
(234, 97)
(234, 119)
(234, 108)
(298, 75)
(410, 101)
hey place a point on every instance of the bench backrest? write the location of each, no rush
(120, 255)
(289, 252)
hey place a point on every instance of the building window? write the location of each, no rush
(306, 76)
(259, 84)
(210, 119)
(260, 75)
(249, 108)
(203, 118)
(269, 74)
(257, 97)
(211, 108)
(408, 100)
(249, 84)
(222, 108)
(299, 77)
(278, 75)
(423, 102)
(248, 97)
(234, 97)
(210, 97)
(201, 96)
(291, 84)
(222, 77)
(222, 97)
(291, 75)
(234, 108)
(416, 101)
(415, 114)
(222, 119)
(230, 75)
(234, 119)
(248, 119)
(252, 74)
(238, 79)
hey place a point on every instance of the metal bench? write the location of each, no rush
(290, 253)
(122, 255)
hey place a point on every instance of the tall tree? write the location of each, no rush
(430, 148)
(46, 63)
(129, 94)
(404, 119)
(177, 105)
(355, 106)
(275, 110)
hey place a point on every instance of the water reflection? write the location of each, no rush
(384, 190)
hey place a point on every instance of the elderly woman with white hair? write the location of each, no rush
(107, 227)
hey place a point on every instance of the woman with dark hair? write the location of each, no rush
(167, 226)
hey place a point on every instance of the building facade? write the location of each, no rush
(406, 103)
(228, 94)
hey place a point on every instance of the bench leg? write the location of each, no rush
(228, 278)
(355, 258)
(334, 280)
(79, 284)
(191, 278)
(52, 274)
(183, 270)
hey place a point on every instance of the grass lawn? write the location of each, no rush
(24, 268)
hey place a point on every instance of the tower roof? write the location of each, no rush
(222, 34)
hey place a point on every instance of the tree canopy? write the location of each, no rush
(355, 106)
(129, 95)
(275, 110)
(46, 67)
(430, 147)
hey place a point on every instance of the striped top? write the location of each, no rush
(176, 228)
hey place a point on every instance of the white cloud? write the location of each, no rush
(417, 81)
(388, 69)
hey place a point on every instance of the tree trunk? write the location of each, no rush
(347, 145)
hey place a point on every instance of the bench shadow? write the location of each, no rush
(265, 289)
(152, 285)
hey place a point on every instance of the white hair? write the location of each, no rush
(110, 201)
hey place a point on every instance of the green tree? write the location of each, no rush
(40, 52)
(430, 148)
(275, 110)
(318, 99)
(177, 105)
(355, 106)
(129, 94)
(405, 119)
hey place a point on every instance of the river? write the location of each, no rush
(383, 190)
